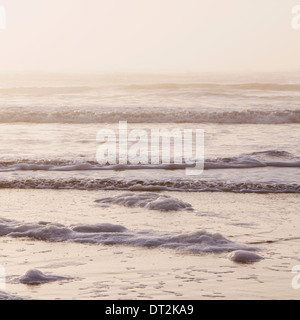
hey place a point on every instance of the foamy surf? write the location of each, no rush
(149, 201)
(241, 256)
(149, 185)
(48, 127)
(163, 115)
(36, 277)
(7, 296)
(216, 163)
(103, 234)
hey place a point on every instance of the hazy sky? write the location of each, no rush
(149, 35)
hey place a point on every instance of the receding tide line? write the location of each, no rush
(149, 185)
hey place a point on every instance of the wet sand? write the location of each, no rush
(269, 222)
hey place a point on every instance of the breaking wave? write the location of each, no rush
(150, 185)
(270, 158)
(150, 201)
(82, 116)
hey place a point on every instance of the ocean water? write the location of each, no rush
(49, 125)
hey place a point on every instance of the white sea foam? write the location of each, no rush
(150, 185)
(34, 277)
(6, 296)
(163, 115)
(218, 163)
(105, 227)
(150, 201)
(241, 256)
(103, 234)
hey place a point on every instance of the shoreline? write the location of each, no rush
(94, 271)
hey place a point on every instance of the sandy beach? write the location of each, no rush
(93, 271)
(149, 150)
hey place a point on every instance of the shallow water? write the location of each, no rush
(154, 232)
(123, 270)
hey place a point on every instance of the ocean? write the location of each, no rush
(72, 228)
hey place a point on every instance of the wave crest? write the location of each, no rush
(153, 116)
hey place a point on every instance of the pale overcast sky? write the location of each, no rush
(149, 35)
